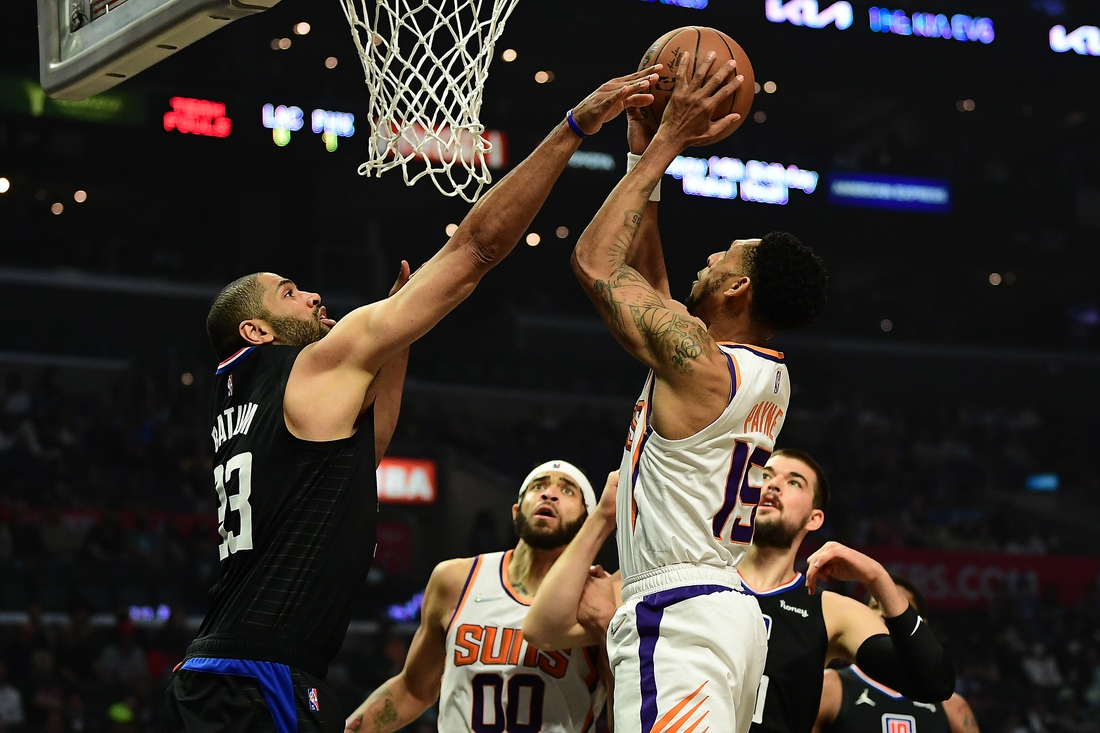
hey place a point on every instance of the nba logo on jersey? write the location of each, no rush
(229, 385)
(894, 723)
(313, 704)
(778, 381)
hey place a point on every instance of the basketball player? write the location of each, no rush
(688, 642)
(805, 629)
(469, 642)
(853, 702)
(294, 405)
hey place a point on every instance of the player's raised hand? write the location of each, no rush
(638, 136)
(689, 116)
(403, 275)
(606, 507)
(840, 562)
(597, 604)
(609, 101)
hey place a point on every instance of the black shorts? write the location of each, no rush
(243, 696)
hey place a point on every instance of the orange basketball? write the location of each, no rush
(699, 41)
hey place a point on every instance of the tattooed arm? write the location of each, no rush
(959, 715)
(402, 699)
(690, 368)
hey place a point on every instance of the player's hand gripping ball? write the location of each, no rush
(698, 41)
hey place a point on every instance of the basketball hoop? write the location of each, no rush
(426, 62)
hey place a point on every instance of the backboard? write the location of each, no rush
(88, 46)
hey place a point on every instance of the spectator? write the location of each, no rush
(17, 399)
(59, 538)
(106, 540)
(11, 701)
(123, 662)
(45, 694)
(1041, 668)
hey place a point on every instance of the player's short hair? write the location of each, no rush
(238, 301)
(821, 483)
(788, 282)
(918, 597)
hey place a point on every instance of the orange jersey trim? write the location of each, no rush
(474, 569)
(751, 347)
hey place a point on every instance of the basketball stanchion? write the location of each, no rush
(425, 64)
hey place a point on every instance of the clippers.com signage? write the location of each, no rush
(955, 580)
(407, 481)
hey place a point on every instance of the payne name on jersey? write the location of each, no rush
(232, 422)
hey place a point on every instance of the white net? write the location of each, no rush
(426, 62)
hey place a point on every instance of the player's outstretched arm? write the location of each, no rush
(897, 649)
(369, 336)
(404, 698)
(388, 386)
(646, 255)
(551, 622)
(670, 342)
(832, 696)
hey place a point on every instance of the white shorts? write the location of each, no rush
(687, 659)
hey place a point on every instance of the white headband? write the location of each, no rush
(569, 470)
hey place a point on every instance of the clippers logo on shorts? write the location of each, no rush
(894, 723)
(314, 705)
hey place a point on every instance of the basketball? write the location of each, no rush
(700, 41)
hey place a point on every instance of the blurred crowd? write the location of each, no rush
(106, 513)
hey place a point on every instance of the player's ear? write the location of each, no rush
(817, 518)
(255, 332)
(515, 509)
(738, 287)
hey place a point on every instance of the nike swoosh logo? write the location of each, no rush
(483, 599)
(615, 629)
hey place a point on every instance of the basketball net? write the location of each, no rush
(426, 62)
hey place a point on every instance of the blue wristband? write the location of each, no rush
(573, 124)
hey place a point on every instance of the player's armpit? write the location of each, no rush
(404, 698)
(832, 695)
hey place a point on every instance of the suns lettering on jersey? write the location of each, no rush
(480, 644)
(764, 417)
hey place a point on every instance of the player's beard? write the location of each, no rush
(777, 535)
(297, 331)
(698, 297)
(551, 540)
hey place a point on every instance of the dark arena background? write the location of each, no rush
(950, 389)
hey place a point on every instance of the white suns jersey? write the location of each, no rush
(495, 682)
(694, 500)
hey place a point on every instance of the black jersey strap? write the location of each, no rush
(910, 659)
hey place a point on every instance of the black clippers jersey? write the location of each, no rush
(790, 690)
(870, 707)
(296, 518)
